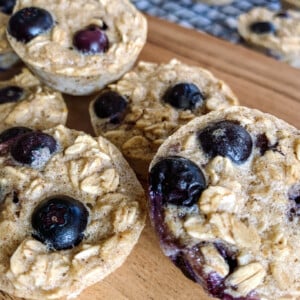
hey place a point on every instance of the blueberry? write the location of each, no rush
(177, 180)
(33, 148)
(59, 222)
(91, 40)
(9, 136)
(227, 139)
(11, 94)
(263, 143)
(262, 27)
(7, 6)
(12, 133)
(28, 23)
(112, 105)
(184, 96)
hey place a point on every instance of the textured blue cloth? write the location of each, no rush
(220, 21)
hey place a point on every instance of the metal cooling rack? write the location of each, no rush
(220, 21)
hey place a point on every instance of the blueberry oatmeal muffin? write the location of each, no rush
(7, 56)
(275, 33)
(290, 4)
(224, 199)
(77, 47)
(24, 101)
(71, 211)
(143, 108)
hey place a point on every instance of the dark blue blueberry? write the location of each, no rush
(263, 144)
(28, 23)
(91, 40)
(7, 6)
(11, 94)
(9, 136)
(262, 27)
(227, 139)
(184, 96)
(112, 105)
(59, 222)
(33, 148)
(177, 180)
(12, 133)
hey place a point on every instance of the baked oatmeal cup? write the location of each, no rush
(71, 212)
(148, 104)
(224, 196)
(274, 33)
(77, 47)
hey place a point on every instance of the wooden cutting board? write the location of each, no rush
(258, 81)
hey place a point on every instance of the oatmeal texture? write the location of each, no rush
(149, 120)
(39, 107)
(284, 44)
(92, 171)
(7, 56)
(53, 58)
(290, 4)
(243, 233)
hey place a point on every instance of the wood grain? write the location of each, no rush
(257, 80)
